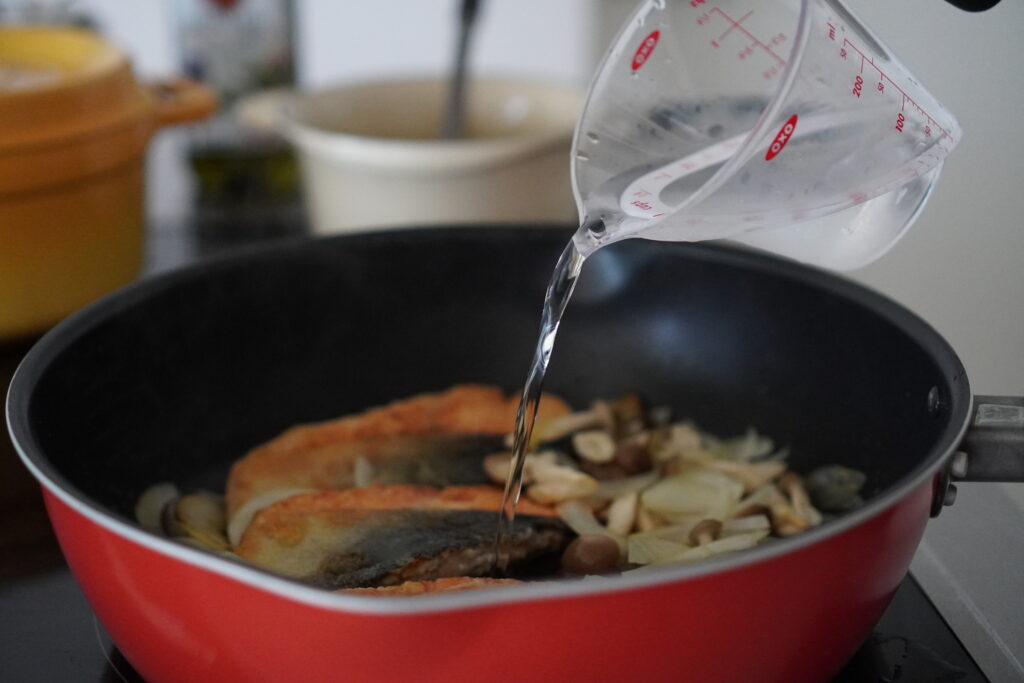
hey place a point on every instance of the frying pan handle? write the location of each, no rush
(992, 448)
(994, 444)
(181, 100)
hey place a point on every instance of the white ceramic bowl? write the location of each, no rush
(371, 156)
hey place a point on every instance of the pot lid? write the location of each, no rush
(60, 83)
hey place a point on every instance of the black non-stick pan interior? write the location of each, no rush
(177, 377)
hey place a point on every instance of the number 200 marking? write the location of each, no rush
(858, 85)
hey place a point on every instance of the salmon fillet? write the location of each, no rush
(384, 535)
(324, 455)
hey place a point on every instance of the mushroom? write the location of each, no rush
(622, 513)
(834, 488)
(647, 520)
(753, 475)
(751, 510)
(786, 521)
(676, 441)
(591, 554)
(562, 426)
(594, 445)
(630, 415)
(557, 483)
(634, 455)
(498, 465)
(793, 487)
(605, 415)
(705, 531)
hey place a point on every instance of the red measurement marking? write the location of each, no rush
(906, 97)
(696, 3)
(900, 120)
(737, 25)
(643, 206)
(643, 52)
(733, 24)
(831, 32)
(781, 138)
(858, 86)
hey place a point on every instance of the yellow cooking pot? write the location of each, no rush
(74, 127)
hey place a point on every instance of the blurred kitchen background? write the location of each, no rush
(961, 267)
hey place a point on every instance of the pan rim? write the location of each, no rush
(62, 335)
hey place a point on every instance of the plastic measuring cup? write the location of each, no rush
(784, 124)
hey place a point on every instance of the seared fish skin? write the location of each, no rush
(357, 548)
(324, 455)
(389, 547)
(383, 535)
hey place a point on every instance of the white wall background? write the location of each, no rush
(961, 267)
(355, 40)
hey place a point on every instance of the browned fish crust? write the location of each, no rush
(450, 585)
(323, 455)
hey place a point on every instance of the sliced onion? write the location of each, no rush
(578, 516)
(239, 522)
(750, 446)
(678, 532)
(614, 488)
(646, 549)
(149, 509)
(200, 517)
(363, 472)
(696, 491)
(741, 525)
(728, 544)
